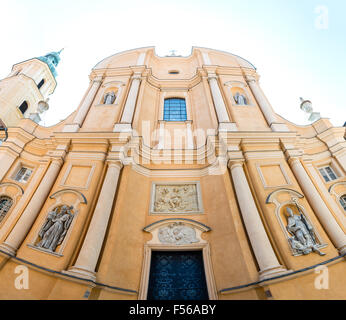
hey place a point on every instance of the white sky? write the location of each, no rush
(281, 38)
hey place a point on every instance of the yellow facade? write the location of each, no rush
(224, 177)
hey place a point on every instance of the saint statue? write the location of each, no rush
(240, 99)
(109, 98)
(303, 238)
(55, 228)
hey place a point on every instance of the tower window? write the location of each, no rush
(175, 110)
(5, 206)
(40, 84)
(173, 72)
(23, 175)
(328, 174)
(23, 107)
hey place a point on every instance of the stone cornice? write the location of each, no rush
(183, 83)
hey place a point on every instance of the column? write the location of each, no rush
(28, 217)
(220, 107)
(92, 245)
(125, 124)
(265, 255)
(85, 106)
(266, 108)
(327, 220)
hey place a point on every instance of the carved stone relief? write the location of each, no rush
(178, 234)
(176, 199)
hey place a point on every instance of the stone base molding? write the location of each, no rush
(227, 127)
(273, 272)
(81, 273)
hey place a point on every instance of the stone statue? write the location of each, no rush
(303, 238)
(55, 228)
(109, 98)
(178, 234)
(240, 99)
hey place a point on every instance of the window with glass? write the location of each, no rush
(5, 206)
(23, 175)
(343, 201)
(175, 110)
(328, 174)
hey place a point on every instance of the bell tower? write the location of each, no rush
(24, 92)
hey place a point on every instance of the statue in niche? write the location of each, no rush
(55, 228)
(240, 99)
(178, 234)
(109, 98)
(303, 239)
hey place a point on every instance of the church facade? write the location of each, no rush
(173, 179)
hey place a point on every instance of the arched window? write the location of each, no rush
(23, 107)
(40, 84)
(343, 201)
(5, 206)
(175, 110)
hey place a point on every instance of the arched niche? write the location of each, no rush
(72, 199)
(111, 93)
(283, 199)
(338, 191)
